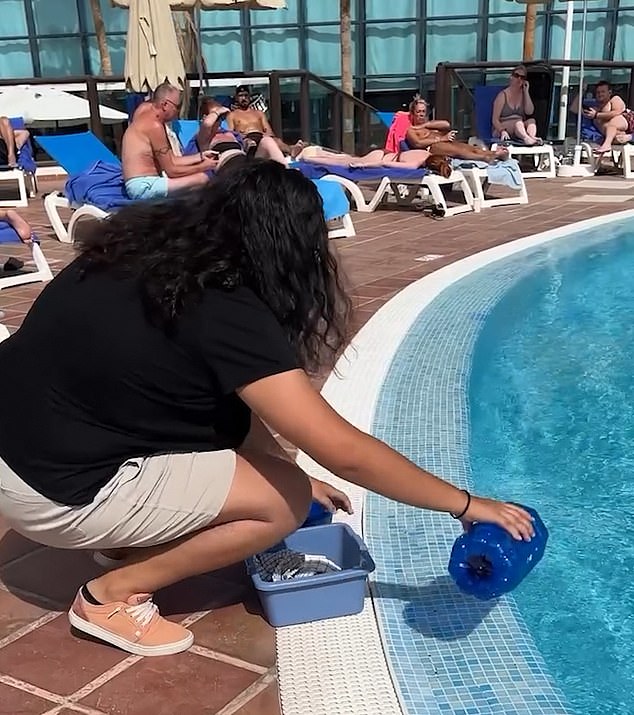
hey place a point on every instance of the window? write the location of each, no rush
(114, 18)
(13, 22)
(326, 10)
(324, 51)
(391, 48)
(276, 17)
(60, 56)
(15, 59)
(452, 8)
(391, 9)
(451, 41)
(56, 18)
(222, 50)
(116, 45)
(275, 49)
(506, 36)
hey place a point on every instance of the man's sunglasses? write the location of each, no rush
(177, 106)
(517, 75)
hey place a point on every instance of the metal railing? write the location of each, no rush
(365, 114)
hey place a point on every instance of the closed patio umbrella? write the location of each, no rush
(152, 53)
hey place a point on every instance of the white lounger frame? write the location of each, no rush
(405, 191)
(622, 155)
(544, 153)
(19, 176)
(66, 234)
(41, 274)
(479, 182)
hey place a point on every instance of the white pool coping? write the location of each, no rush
(339, 667)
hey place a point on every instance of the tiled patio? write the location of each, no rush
(231, 669)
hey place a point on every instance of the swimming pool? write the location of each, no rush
(512, 380)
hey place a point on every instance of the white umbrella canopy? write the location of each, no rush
(48, 107)
(152, 54)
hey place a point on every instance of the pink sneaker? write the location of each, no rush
(135, 626)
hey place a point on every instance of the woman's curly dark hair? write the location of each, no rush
(261, 226)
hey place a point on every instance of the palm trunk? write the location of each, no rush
(102, 41)
(530, 20)
(346, 77)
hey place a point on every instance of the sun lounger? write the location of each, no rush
(96, 186)
(42, 272)
(23, 174)
(621, 154)
(543, 155)
(402, 184)
(77, 153)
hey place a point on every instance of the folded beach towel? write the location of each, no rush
(397, 132)
(286, 564)
(101, 185)
(505, 172)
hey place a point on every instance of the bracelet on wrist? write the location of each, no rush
(466, 509)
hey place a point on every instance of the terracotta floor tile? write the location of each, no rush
(202, 593)
(238, 630)
(12, 545)
(52, 658)
(265, 703)
(55, 574)
(15, 612)
(17, 702)
(185, 683)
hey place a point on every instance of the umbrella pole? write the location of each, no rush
(582, 68)
(199, 57)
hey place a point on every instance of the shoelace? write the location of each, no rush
(142, 613)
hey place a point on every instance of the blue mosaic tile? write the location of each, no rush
(449, 653)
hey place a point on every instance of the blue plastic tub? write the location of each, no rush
(314, 598)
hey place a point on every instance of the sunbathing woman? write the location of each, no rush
(512, 110)
(414, 159)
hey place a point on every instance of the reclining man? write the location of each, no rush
(440, 140)
(11, 141)
(150, 167)
(229, 144)
(609, 114)
(253, 126)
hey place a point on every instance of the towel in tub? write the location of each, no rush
(286, 564)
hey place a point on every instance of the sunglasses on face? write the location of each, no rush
(517, 75)
(176, 106)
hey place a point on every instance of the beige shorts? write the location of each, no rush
(149, 501)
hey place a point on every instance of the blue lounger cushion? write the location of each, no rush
(371, 173)
(76, 152)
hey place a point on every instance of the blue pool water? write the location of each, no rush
(517, 381)
(552, 418)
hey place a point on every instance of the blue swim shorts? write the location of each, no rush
(146, 187)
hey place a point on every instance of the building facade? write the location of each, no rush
(397, 43)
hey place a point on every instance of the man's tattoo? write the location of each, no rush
(162, 151)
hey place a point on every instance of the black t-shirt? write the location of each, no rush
(88, 381)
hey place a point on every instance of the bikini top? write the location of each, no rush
(509, 112)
